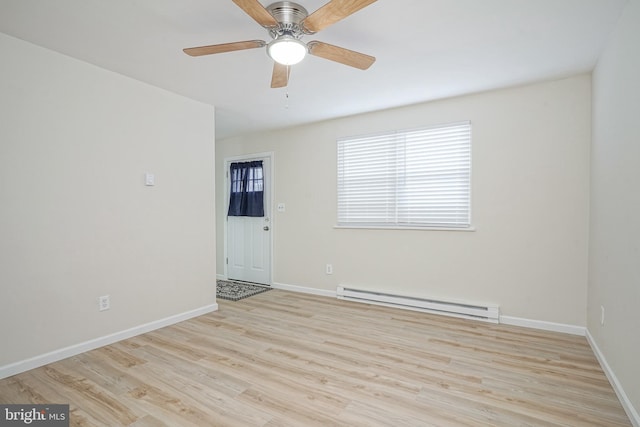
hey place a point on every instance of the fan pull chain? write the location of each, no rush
(286, 104)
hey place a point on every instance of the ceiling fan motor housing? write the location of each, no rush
(289, 15)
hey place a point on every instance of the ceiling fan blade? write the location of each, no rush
(341, 55)
(332, 12)
(280, 77)
(224, 47)
(254, 9)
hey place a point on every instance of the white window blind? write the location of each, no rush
(411, 178)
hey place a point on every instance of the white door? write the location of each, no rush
(249, 238)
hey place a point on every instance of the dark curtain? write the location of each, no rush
(247, 189)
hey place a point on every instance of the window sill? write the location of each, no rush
(379, 227)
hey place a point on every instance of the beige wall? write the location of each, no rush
(76, 220)
(530, 204)
(614, 258)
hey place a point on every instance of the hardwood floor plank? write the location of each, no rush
(288, 359)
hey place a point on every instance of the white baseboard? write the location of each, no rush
(63, 353)
(304, 290)
(542, 325)
(632, 413)
(507, 320)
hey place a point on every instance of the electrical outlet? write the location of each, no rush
(329, 269)
(602, 315)
(104, 303)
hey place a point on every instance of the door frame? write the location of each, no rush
(268, 201)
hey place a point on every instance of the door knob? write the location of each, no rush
(265, 228)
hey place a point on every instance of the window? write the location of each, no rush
(247, 189)
(410, 178)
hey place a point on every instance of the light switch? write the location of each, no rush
(149, 179)
(280, 207)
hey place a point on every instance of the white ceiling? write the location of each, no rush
(425, 50)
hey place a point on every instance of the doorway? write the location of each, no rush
(248, 247)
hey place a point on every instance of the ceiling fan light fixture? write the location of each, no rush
(287, 50)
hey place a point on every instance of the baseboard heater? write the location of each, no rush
(487, 313)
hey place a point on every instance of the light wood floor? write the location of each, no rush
(282, 358)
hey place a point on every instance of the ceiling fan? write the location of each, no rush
(287, 22)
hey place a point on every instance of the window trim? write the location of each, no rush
(414, 228)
